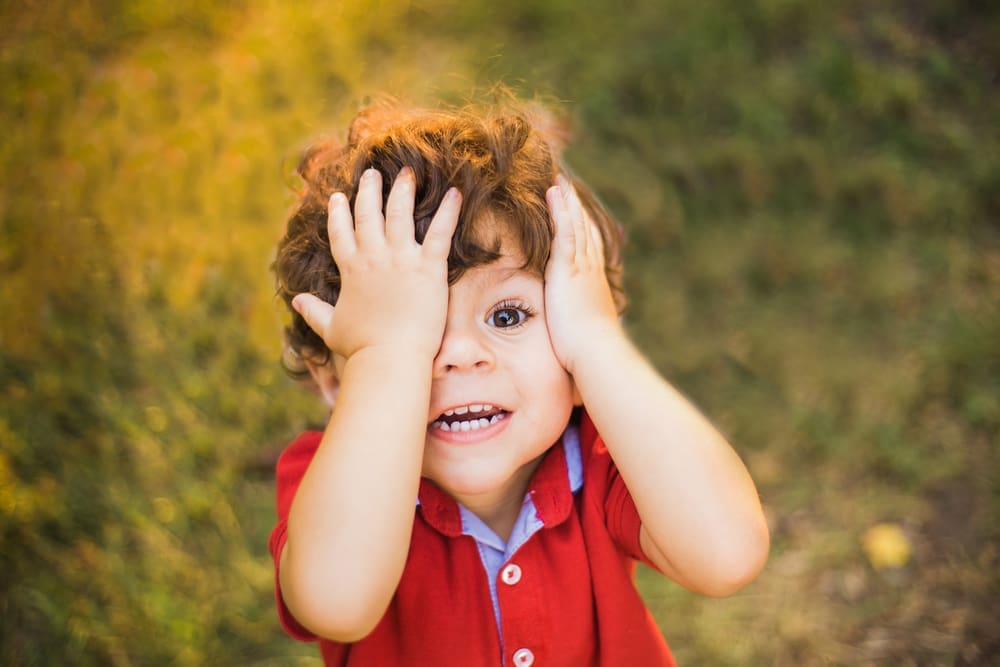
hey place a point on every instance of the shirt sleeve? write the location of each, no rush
(620, 513)
(292, 465)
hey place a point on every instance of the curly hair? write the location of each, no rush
(502, 159)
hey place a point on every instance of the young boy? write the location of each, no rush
(498, 454)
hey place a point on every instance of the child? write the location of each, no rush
(498, 455)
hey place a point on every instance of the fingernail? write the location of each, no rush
(297, 303)
(336, 197)
(406, 172)
(452, 194)
(370, 173)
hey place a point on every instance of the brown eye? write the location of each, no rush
(509, 314)
(505, 318)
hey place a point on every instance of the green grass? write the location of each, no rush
(811, 195)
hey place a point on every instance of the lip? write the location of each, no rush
(470, 437)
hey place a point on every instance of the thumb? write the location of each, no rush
(317, 313)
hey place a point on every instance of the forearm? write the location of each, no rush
(700, 512)
(350, 523)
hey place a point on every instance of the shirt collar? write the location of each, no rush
(551, 489)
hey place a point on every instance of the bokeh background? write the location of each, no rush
(812, 194)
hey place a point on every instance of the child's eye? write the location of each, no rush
(507, 315)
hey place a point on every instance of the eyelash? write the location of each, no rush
(509, 304)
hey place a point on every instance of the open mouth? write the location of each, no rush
(470, 417)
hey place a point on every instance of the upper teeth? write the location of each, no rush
(468, 424)
(475, 407)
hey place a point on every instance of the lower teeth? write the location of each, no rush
(468, 425)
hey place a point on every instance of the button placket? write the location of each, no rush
(511, 575)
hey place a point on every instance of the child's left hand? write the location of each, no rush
(579, 309)
(702, 524)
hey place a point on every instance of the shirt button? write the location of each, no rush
(523, 657)
(510, 576)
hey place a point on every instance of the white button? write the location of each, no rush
(510, 576)
(523, 657)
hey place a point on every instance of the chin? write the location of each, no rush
(470, 483)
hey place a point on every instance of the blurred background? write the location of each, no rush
(812, 195)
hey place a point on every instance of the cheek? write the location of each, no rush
(542, 372)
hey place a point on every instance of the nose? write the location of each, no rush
(462, 349)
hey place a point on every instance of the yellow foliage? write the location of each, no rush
(887, 546)
(20, 501)
(164, 509)
(156, 418)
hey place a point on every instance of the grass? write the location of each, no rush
(810, 191)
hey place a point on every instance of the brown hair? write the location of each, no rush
(502, 160)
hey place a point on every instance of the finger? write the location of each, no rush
(437, 240)
(317, 313)
(572, 199)
(340, 227)
(368, 223)
(399, 208)
(564, 239)
(596, 240)
(576, 216)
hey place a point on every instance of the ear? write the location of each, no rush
(325, 380)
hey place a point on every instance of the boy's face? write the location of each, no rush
(499, 397)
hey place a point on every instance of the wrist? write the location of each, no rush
(601, 340)
(395, 356)
(392, 341)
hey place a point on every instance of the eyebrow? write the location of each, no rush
(489, 277)
(498, 275)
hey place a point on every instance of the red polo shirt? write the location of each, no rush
(572, 603)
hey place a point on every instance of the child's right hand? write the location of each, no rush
(394, 291)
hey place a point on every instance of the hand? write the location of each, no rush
(394, 291)
(579, 308)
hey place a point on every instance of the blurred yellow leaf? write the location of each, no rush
(156, 418)
(164, 509)
(887, 546)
